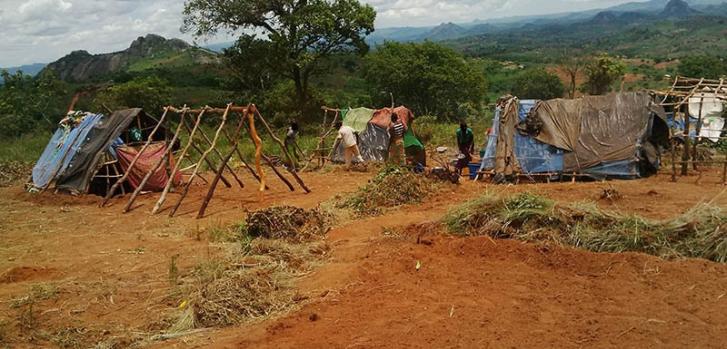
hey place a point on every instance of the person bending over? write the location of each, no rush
(347, 137)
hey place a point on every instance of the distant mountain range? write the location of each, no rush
(670, 32)
(653, 9)
(28, 69)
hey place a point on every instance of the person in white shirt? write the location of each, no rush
(347, 138)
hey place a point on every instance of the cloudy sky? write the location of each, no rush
(33, 31)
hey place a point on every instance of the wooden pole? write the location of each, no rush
(258, 148)
(673, 161)
(199, 163)
(156, 166)
(229, 168)
(724, 173)
(221, 168)
(687, 142)
(207, 161)
(190, 143)
(270, 163)
(697, 131)
(242, 158)
(136, 158)
(285, 151)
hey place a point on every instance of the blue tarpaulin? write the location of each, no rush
(60, 150)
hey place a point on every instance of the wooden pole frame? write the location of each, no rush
(199, 163)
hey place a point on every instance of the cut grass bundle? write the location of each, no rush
(255, 277)
(392, 186)
(701, 232)
(287, 222)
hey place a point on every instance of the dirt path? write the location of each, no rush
(111, 271)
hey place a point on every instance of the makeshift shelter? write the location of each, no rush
(373, 133)
(695, 113)
(82, 155)
(618, 135)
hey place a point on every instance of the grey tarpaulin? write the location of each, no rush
(83, 166)
(596, 129)
(373, 144)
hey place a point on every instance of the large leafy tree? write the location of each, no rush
(537, 84)
(602, 72)
(427, 77)
(285, 38)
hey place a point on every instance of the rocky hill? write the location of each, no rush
(145, 52)
(678, 9)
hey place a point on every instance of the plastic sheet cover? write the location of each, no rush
(61, 149)
(533, 156)
(610, 128)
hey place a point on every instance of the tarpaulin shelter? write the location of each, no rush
(373, 136)
(83, 145)
(598, 136)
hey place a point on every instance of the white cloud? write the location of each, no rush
(45, 30)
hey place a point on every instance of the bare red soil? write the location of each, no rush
(111, 271)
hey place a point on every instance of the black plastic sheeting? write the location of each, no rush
(373, 144)
(78, 175)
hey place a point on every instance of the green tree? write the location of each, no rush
(427, 77)
(287, 38)
(602, 71)
(27, 103)
(537, 84)
(709, 67)
(150, 93)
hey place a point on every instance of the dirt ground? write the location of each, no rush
(108, 273)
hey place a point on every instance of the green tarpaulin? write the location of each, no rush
(357, 118)
(410, 140)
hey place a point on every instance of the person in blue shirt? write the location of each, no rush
(465, 144)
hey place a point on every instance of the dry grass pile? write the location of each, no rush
(12, 172)
(254, 279)
(287, 222)
(699, 233)
(392, 186)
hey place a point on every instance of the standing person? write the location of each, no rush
(347, 137)
(396, 146)
(465, 144)
(290, 140)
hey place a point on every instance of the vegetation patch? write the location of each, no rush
(287, 222)
(13, 171)
(700, 232)
(254, 278)
(392, 186)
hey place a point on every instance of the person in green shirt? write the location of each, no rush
(466, 145)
